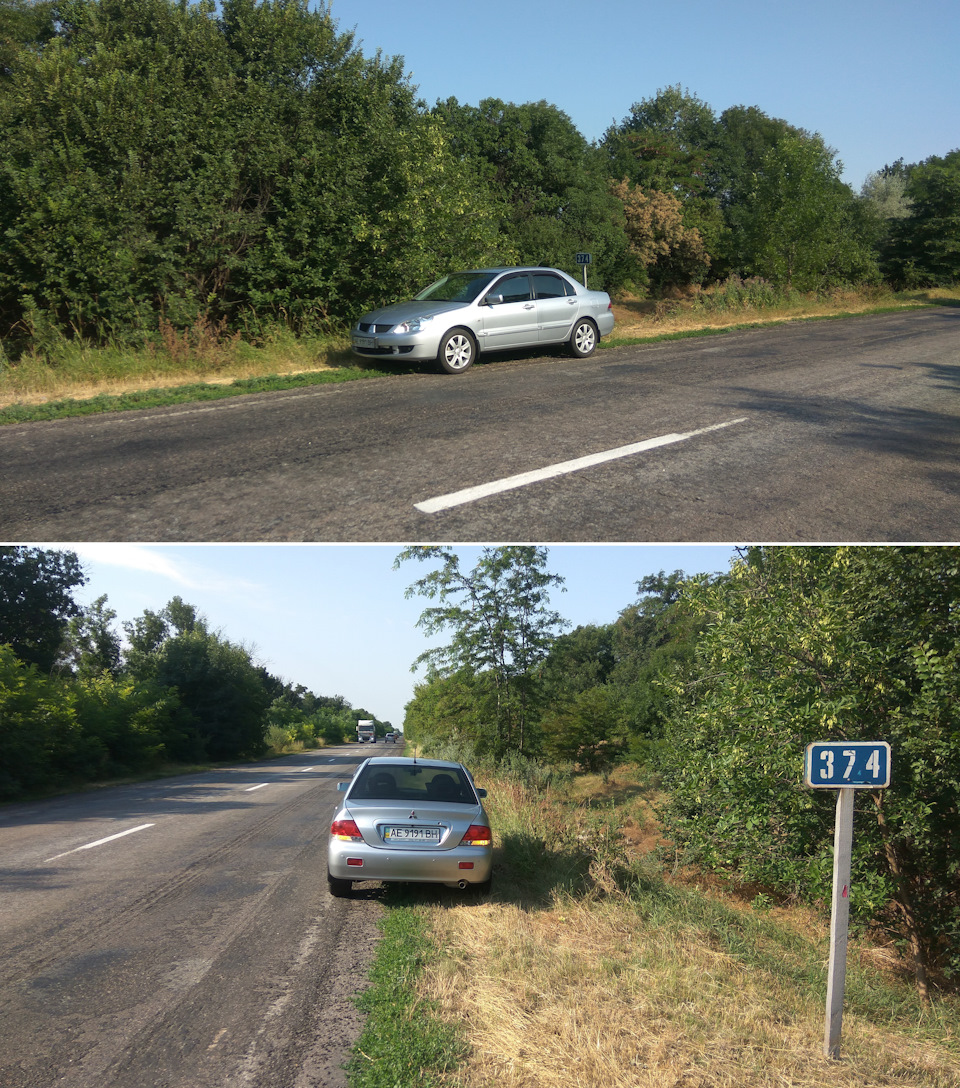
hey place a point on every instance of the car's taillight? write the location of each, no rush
(476, 835)
(346, 830)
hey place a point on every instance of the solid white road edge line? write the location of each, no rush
(100, 842)
(508, 483)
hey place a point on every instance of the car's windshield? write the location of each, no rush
(415, 783)
(457, 287)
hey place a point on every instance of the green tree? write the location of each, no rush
(839, 643)
(451, 714)
(651, 637)
(924, 246)
(91, 646)
(36, 601)
(802, 226)
(219, 687)
(586, 730)
(552, 193)
(130, 722)
(40, 738)
(189, 166)
(663, 149)
(24, 25)
(662, 143)
(500, 625)
(743, 137)
(579, 660)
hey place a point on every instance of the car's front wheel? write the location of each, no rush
(583, 339)
(457, 351)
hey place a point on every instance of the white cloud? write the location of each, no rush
(172, 563)
(137, 557)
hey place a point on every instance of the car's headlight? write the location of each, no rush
(415, 324)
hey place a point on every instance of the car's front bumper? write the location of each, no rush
(394, 345)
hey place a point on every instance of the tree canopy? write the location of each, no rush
(501, 628)
(808, 644)
(206, 169)
(36, 601)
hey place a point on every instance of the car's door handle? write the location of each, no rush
(528, 305)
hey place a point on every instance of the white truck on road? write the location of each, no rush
(365, 731)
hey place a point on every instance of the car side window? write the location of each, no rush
(546, 285)
(514, 288)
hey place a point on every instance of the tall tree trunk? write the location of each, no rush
(904, 900)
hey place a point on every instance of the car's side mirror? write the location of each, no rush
(493, 300)
(342, 787)
(481, 793)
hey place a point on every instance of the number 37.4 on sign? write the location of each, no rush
(848, 765)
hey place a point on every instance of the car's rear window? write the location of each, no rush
(388, 782)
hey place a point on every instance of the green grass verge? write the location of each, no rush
(181, 394)
(403, 1042)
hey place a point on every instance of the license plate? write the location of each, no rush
(364, 342)
(411, 834)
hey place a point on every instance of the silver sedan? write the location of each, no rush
(488, 309)
(408, 819)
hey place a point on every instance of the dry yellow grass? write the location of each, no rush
(589, 991)
(647, 318)
(86, 372)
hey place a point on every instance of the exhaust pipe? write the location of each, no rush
(461, 884)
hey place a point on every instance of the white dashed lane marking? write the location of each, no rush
(508, 483)
(100, 842)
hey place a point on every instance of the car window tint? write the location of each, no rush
(546, 285)
(514, 288)
(413, 784)
(457, 287)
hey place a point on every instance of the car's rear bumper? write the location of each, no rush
(472, 864)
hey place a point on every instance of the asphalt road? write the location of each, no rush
(199, 948)
(841, 430)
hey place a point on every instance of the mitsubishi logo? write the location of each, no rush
(412, 816)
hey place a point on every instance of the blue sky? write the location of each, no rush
(334, 617)
(876, 78)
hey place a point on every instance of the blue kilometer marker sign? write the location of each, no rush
(858, 765)
(843, 766)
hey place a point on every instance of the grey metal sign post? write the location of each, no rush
(844, 766)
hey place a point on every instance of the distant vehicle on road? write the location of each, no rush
(366, 731)
(407, 819)
(392, 737)
(487, 309)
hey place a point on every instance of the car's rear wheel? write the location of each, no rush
(583, 339)
(457, 351)
(341, 889)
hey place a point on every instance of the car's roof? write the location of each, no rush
(511, 268)
(410, 761)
